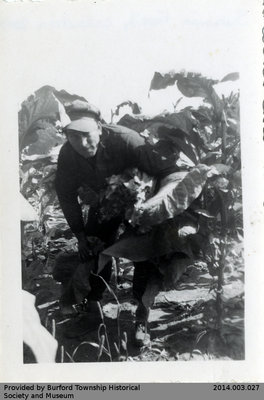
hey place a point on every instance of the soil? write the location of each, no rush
(182, 321)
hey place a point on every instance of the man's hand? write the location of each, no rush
(83, 247)
(88, 196)
(84, 250)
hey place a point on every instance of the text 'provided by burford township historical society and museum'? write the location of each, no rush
(50, 391)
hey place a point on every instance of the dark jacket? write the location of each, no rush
(119, 148)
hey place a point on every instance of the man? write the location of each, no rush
(92, 153)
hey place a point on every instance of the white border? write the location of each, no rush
(16, 55)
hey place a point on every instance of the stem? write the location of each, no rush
(115, 271)
(223, 211)
(223, 127)
(220, 282)
(53, 328)
(62, 354)
(101, 346)
(118, 308)
(105, 330)
(112, 116)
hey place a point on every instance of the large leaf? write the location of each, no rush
(42, 104)
(44, 107)
(135, 122)
(204, 115)
(190, 85)
(45, 139)
(66, 98)
(133, 247)
(182, 120)
(163, 80)
(233, 76)
(136, 109)
(176, 193)
(196, 85)
(161, 240)
(175, 128)
(190, 82)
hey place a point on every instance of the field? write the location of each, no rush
(197, 309)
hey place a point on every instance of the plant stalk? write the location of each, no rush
(223, 212)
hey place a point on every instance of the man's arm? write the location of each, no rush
(66, 185)
(130, 148)
(157, 160)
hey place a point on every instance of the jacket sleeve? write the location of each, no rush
(66, 184)
(157, 160)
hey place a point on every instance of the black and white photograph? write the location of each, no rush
(130, 165)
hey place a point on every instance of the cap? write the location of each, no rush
(82, 124)
(79, 108)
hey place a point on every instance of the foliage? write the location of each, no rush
(120, 195)
(136, 109)
(210, 188)
(195, 213)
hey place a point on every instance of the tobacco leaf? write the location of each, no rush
(176, 193)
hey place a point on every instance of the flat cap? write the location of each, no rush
(79, 108)
(83, 124)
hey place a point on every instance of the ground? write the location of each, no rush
(181, 321)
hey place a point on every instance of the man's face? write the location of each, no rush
(86, 143)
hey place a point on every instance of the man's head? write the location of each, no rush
(84, 135)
